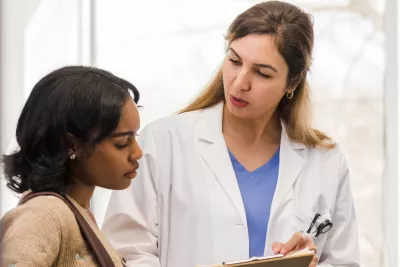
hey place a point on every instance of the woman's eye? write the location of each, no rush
(234, 62)
(121, 146)
(123, 143)
(262, 74)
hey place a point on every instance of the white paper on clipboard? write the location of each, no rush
(253, 259)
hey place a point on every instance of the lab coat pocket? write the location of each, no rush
(319, 230)
(300, 222)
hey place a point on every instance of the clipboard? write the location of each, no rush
(299, 259)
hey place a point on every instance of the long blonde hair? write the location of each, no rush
(294, 37)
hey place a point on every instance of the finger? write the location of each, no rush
(297, 241)
(276, 247)
(310, 244)
(314, 261)
(312, 247)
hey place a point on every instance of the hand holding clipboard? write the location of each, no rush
(305, 240)
(305, 255)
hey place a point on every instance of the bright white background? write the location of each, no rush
(169, 49)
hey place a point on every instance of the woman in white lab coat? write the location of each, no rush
(240, 171)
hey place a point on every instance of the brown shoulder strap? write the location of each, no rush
(101, 254)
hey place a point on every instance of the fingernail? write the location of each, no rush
(283, 251)
(276, 251)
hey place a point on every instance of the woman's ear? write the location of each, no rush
(74, 145)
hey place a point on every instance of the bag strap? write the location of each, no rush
(101, 254)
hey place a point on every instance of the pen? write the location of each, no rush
(313, 222)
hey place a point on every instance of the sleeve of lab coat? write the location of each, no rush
(342, 248)
(131, 222)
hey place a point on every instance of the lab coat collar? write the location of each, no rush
(215, 153)
(210, 127)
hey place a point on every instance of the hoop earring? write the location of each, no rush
(289, 95)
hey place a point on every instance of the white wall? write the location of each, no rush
(11, 78)
(392, 146)
(12, 60)
(37, 36)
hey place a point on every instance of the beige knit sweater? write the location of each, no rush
(44, 232)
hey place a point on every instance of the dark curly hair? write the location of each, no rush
(83, 101)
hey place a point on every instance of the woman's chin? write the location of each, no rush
(242, 113)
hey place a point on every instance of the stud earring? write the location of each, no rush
(72, 157)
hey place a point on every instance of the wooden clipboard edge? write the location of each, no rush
(308, 254)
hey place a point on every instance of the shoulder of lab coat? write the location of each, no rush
(342, 246)
(131, 219)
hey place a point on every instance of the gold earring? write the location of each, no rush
(72, 157)
(289, 95)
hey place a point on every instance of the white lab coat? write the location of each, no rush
(185, 208)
